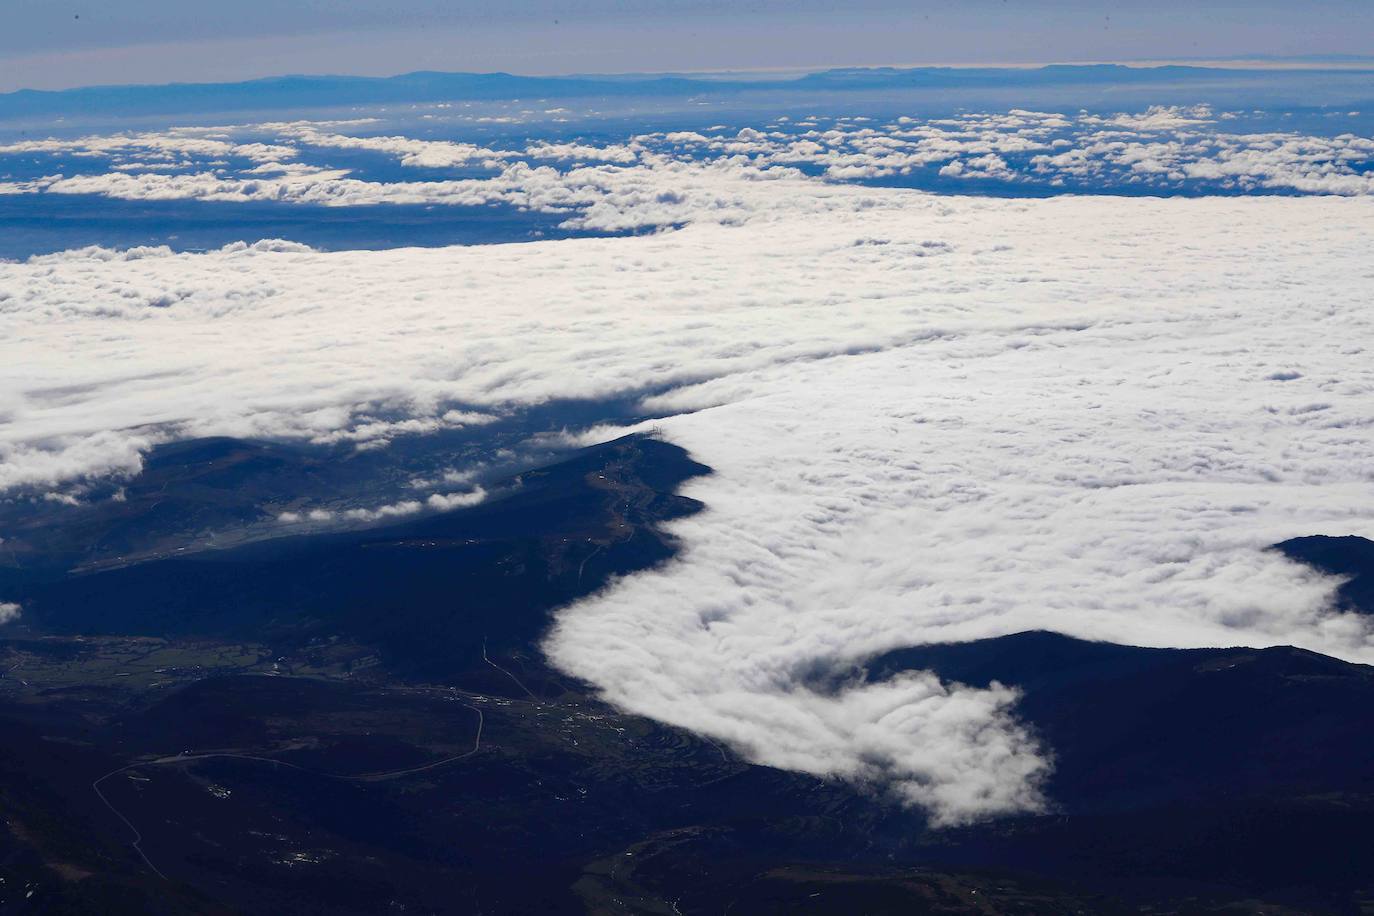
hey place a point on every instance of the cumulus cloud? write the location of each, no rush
(446, 501)
(1162, 147)
(581, 151)
(9, 612)
(49, 461)
(659, 192)
(931, 418)
(656, 179)
(367, 432)
(391, 510)
(434, 154)
(156, 149)
(1157, 118)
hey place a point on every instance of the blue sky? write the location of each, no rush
(60, 43)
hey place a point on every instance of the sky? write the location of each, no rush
(50, 45)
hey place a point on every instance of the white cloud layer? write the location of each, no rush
(931, 418)
(602, 187)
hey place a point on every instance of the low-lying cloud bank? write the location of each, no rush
(931, 418)
(1162, 149)
(670, 177)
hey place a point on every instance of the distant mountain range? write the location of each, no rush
(287, 92)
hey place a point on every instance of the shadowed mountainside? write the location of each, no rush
(360, 721)
(427, 593)
(1339, 556)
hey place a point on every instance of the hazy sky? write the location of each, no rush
(59, 43)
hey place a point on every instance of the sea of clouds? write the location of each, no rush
(601, 186)
(931, 418)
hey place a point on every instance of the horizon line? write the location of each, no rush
(1296, 64)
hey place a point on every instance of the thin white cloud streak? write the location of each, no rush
(446, 501)
(435, 154)
(931, 419)
(435, 502)
(608, 198)
(176, 144)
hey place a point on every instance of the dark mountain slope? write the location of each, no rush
(1199, 773)
(427, 593)
(1131, 726)
(1343, 556)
